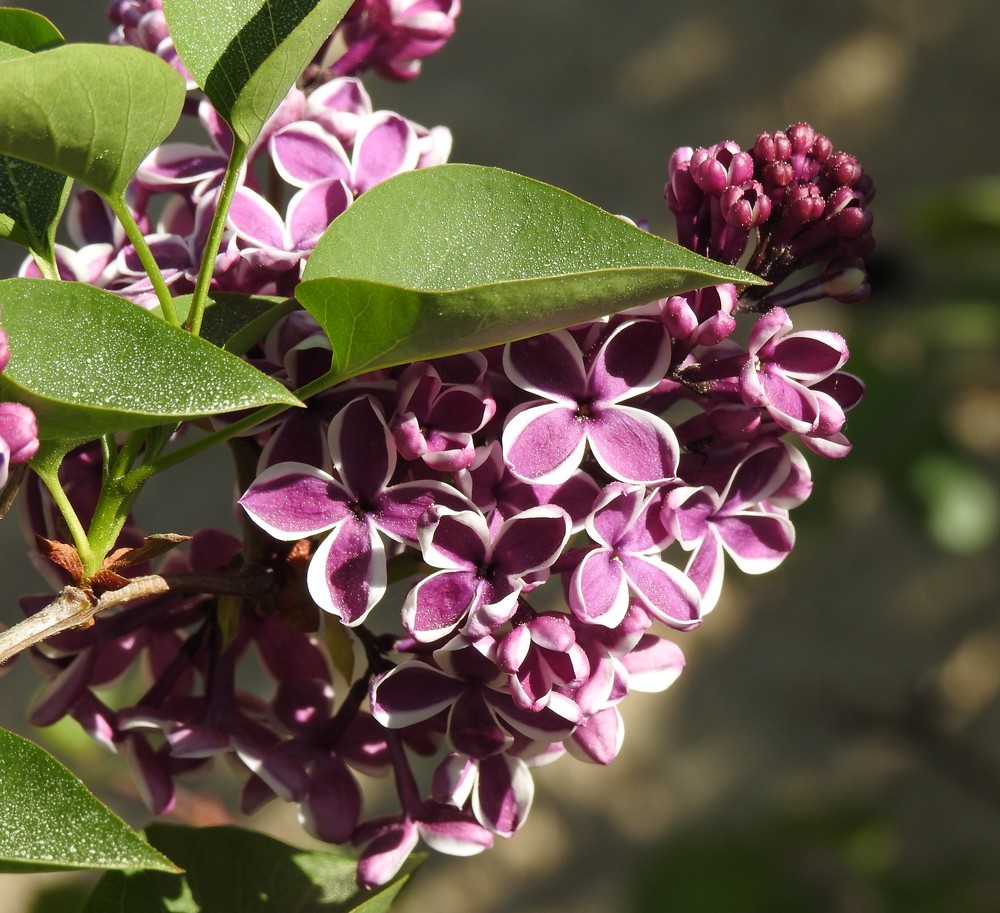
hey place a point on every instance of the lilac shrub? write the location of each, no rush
(511, 540)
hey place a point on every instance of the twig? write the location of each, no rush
(76, 607)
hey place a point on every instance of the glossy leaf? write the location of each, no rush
(49, 820)
(31, 197)
(229, 869)
(91, 112)
(246, 54)
(460, 257)
(91, 363)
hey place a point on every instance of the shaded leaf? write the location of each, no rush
(246, 54)
(229, 869)
(235, 322)
(49, 820)
(91, 363)
(31, 197)
(92, 112)
(460, 257)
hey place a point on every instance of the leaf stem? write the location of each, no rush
(50, 477)
(120, 208)
(206, 269)
(46, 267)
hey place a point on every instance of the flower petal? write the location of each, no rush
(544, 444)
(633, 445)
(293, 501)
(347, 573)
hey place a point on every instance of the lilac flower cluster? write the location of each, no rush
(18, 431)
(504, 538)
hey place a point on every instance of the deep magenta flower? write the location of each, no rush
(290, 501)
(499, 789)
(392, 37)
(539, 655)
(481, 575)
(545, 441)
(736, 521)
(464, 680)
(268, 241)
(500, 495)
(435, 421)
(781, 368)
(626, 565)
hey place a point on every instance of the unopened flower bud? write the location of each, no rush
(745, 206)
(19, 430)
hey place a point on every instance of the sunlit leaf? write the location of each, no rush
(28, 30)
(49, 820)
(246, 54)
(91, 363)
(460, 257)
(229, 869)
(91, 112)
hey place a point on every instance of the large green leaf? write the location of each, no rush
(91, 112)
(246, 54)
(228, 869)
(460, 257)
(31, 197)
(91, 363)
(49, 820)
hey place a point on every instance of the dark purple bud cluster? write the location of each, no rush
(798, 200)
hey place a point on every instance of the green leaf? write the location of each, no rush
(235, 322)
(228, 869)
(49, 820)
(31, 197)
(28, 30)
(460, 257)
(246, 54)
(92, 112)
(91, 363)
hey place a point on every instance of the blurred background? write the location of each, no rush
(832, 746)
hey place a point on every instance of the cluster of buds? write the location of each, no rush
(553, 511)
(802, 202)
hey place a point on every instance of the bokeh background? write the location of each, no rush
(832, 746)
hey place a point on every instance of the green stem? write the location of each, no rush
(50, 477)
(205, 271)
(120, 208)
(46, 267)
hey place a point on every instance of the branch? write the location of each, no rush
(76, 607)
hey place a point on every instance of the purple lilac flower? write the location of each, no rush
(544, 442)
(735, 521)
(626, 566)
(141, 23)
(481, 576)
(391, 37)
(347, 574)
